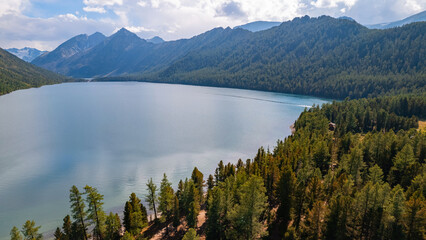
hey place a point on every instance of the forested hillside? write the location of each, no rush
(16, 74)
(323, 56)
(351, 170)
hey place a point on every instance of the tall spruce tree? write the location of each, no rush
(135, 218)
(30, 231)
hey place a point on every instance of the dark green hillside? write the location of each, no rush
(322, 56)
(16, 74)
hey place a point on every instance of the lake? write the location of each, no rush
(115, 136)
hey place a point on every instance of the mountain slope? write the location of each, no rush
(258, 26)
(76, 45)
(16, 74)
(124, 53)
(419, 17)
(26, 54)
(315, 56)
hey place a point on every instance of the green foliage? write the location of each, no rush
(166, 198)
(17, 74)
(112, 227)
(197, 178)
(15, 234)
(245, 216)
(135, 217)
(30, 231)
(151, 197)
(95, 215)
(58, 234)
(191, 234)
(78, 212)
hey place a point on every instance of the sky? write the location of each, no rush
(44, 24)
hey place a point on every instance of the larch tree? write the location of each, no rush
(15, 234)
(151, 197)
(30, 231)
(245, 216)
(95, 211)
(77, 210)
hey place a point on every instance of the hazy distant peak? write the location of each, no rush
(27, 54)
(419, 17)
(155, 40)
(258, 26)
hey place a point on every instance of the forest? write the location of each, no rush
(16, 74)
(324, 56)
(353, 169)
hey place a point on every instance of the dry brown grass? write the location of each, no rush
(422, 126)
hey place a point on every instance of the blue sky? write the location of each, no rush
(45, 24)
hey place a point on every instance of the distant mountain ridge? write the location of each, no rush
(73, 46)
(258, 26)
(419, 17)
(27, 54)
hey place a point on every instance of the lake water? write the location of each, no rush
(114, 136)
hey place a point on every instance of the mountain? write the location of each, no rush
(347, 18)
(17, 74)
(322, 56)
(76, 45)
(258, 26)
(419, 17)
(155, 40)
(327, 57)
(124, 53)
(27, 54)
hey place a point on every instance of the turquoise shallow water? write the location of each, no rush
(114, 136)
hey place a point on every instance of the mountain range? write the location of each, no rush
(27, 54)
(419, 17)
(304, 56)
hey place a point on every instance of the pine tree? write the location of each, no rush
(197, 178)
(166, 200)
(95, 212)
(15, 234)
(77, 210)
(58, 234)
(151, 197)
(66, 228)
(176, 214)
(245, 216)
(215, 219)
(286, 188)
(313, 227)
(414, 217)
(135, 218)
(30, 231)
(191, 234)
(112, 227)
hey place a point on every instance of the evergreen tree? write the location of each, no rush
(112, 227)
(151, 197)
(286, 188)
(127, 236)
(66, 228)
(197, 178)
(95, 211)
(176, 213)
(15, 234)
(191, 234)
(58, 234)
(30, 231)
(134, 217)
(245, 216)
(313, 227)
(414, 217)
(166, 201)
(78, 211)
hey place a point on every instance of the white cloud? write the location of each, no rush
(174, 19)
(12, 6)
(94, 9)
